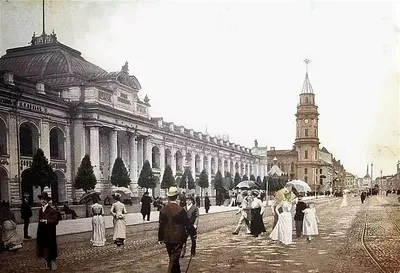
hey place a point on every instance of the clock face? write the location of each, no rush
(306, 121)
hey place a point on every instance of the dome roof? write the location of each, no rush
(55, 63)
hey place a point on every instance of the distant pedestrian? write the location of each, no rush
(98, 224)
(310, 224)
(192, 212)
(182, 199)
(174, 223)
(197, 201)
(299, 216)
(207, 203)
(146, 205)
(117, 211)
(363, 196)
(46, 232)
(26, 214)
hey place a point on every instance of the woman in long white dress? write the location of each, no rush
(283, 228)
(344, 201)
(310, 222)
(98, 224)
(118, 210)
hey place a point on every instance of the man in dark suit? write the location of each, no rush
(193, 215)
(207, 203)
(174, 223)
(26, 214)
(299, 216)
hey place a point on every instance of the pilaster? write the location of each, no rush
(113, 149)
(133, 164)
(14, 189)
(95, 153)
(45, 139)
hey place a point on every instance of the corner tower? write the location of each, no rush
(307, 141)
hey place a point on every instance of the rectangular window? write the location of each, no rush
(320, 181)
(305, 170)
(305, 179)
(320, 171)
(306, 132)
(305, 154)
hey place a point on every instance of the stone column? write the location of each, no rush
(223, 167)
(113, 149)
(162, 161)
(140, 153)
(45, 139)
(201, 162)
(193, 165)
(133, 164)
(68, 174)
(147, 150)
(95, 153)
(248, 169)
(229, 168)
(14, 188)
(79, 148)
(173, 161)
(209, 174)
(256, 165)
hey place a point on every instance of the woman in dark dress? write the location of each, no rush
(256, 224)
(207, 203)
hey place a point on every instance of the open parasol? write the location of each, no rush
(246, 185)
(299, 185)
(122, 191)
(284, 195)
(88, 196)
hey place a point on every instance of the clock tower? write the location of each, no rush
(307, 141)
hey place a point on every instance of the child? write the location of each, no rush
(310, 227)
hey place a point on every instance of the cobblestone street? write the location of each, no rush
(338, 248)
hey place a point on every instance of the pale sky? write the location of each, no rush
(237, 67)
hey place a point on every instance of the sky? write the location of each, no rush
(236, 67)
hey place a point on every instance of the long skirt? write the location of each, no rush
(283, 229)
(119, 231)
(10, 237)
(99, 231)
(256, 224)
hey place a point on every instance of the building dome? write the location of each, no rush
(54, 63)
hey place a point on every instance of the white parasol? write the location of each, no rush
(299, 185)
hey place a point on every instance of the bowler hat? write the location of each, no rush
(172, 191)
(44, 196)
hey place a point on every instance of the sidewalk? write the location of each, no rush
(85, 224)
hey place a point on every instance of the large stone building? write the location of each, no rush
(52, 98)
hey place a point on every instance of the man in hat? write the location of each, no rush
(173, 225)
(46, 232)
(26, 214)
(192, 212)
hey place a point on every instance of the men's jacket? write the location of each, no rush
(193, 215)
(174, 223)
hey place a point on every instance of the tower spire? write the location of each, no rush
(44, 21)
(307, 88)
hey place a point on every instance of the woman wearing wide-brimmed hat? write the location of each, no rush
(46, 232)
(118, 210)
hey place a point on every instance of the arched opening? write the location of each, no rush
(292, 167)
(226, 167)
(4, 182)
(213, 167)
(178, 158)
(231, 169)
(242, 169)
(205, 163)
(155, 157)
(57, 144)
(168, 157)
(3, 138)
(237, 168)
(220, 166)
(26, 185)
(197, 163)
(246, 169)
(28, 139)
(58, 189)
(189, 160)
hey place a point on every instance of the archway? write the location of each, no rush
(178, 158)
(4, 182)
(26, 185)
(231, 169)
(168, 157)
(189, 160)
(197, 163)
(205, 164)
(213, 167)
(155, 157)
(237, 168)
(3, 138)
(57, 144)
(28, 139)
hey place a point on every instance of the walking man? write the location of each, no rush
(245, 214)
(207, 203)
(26, 214)
(193, 215)
(173, 225)
(299, 216)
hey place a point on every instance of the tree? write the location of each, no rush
(245, 178)
(230, 184)
(237, 179)
(187, 175)
(146, 178)
(119, 174)
(41, 173)
(85, 178)
(168, 178)
(252, 178)
(203, 183)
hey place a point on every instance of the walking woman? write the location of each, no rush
(118, 210)
(10, 237)
(283, 229)
(98, 224)
(256, 224)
